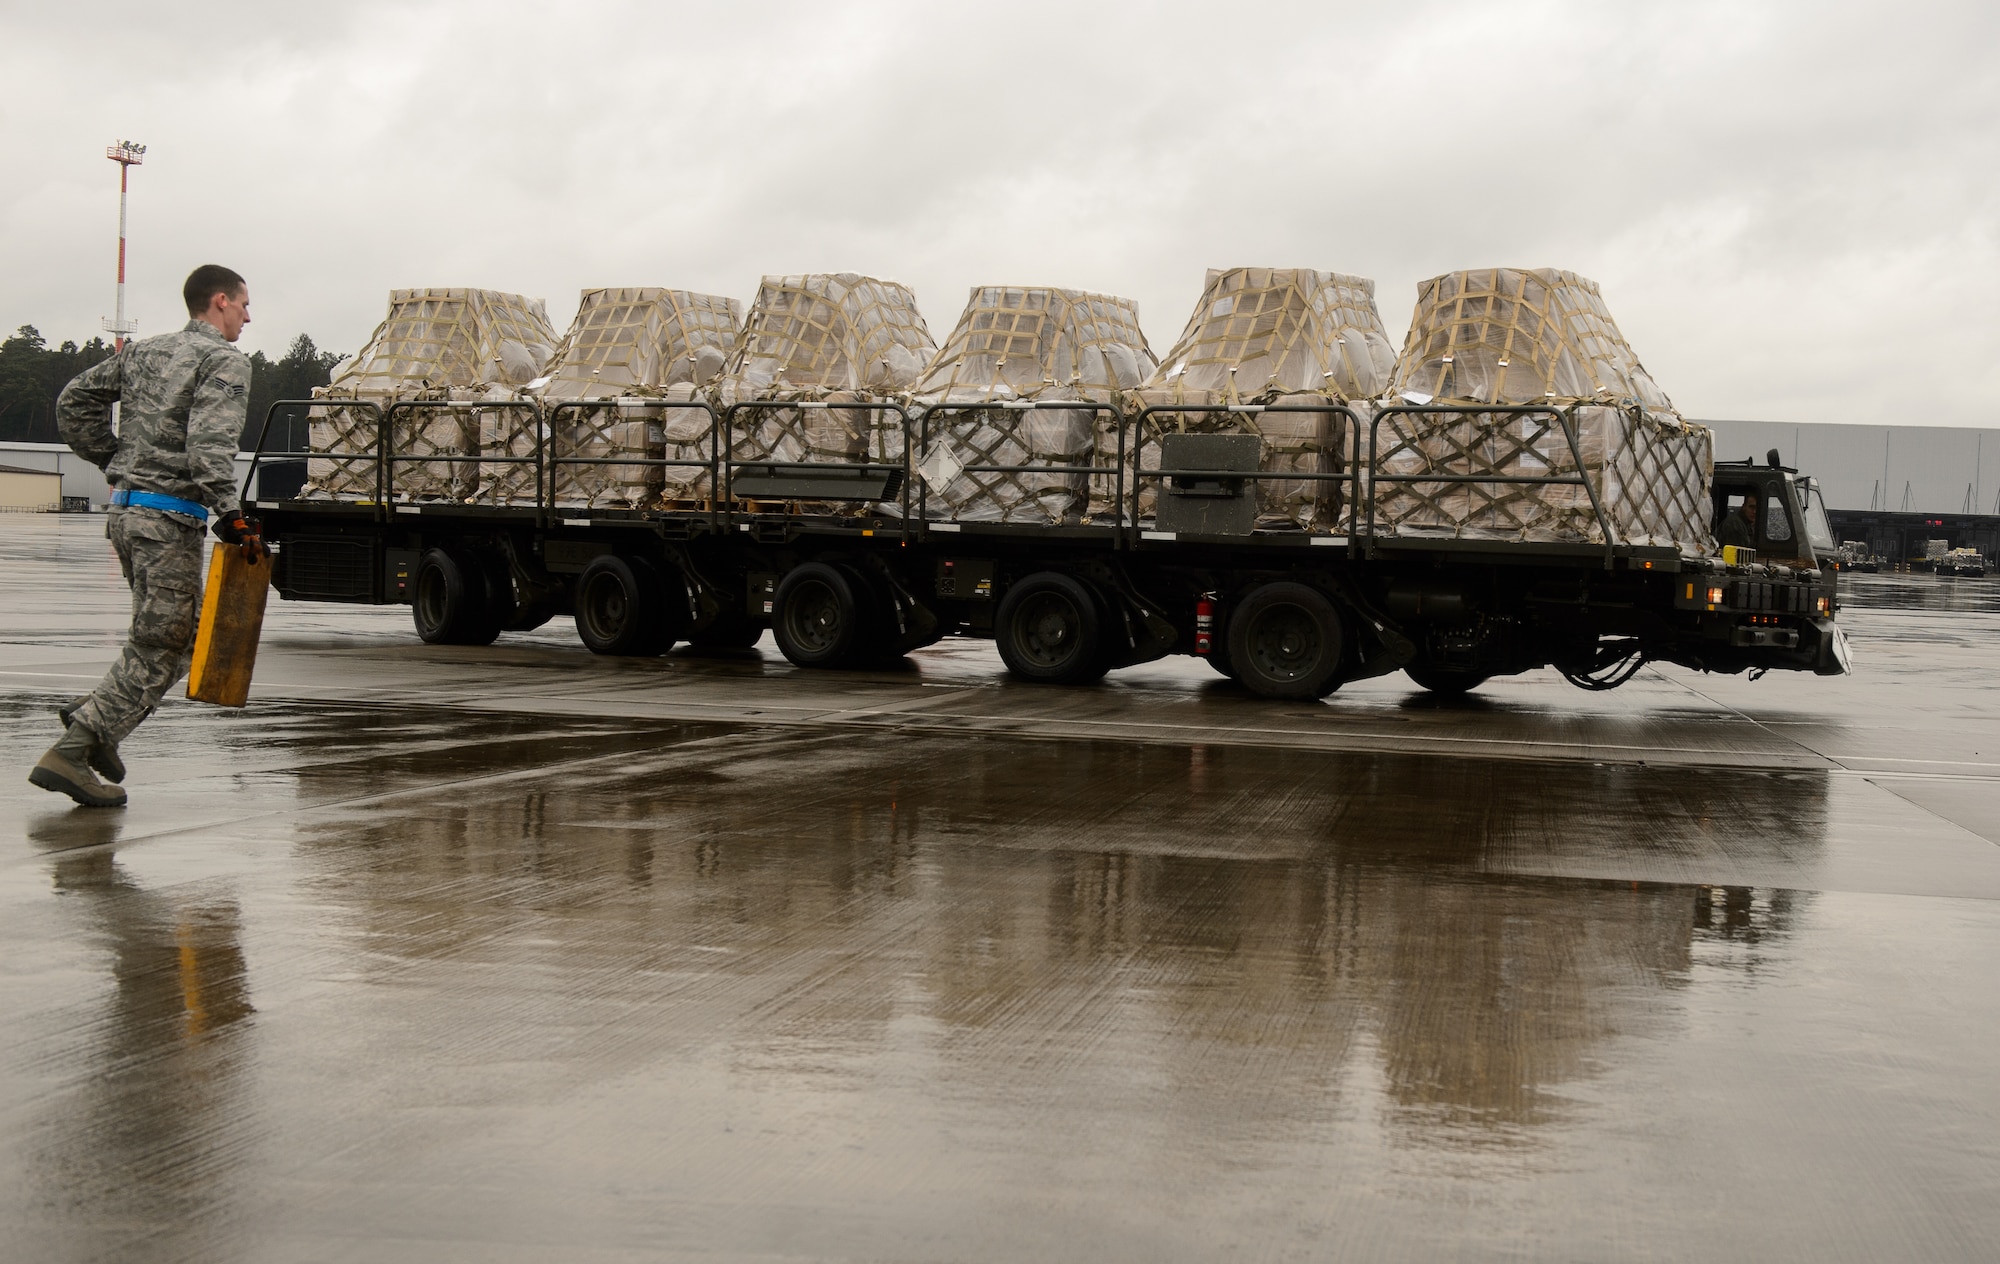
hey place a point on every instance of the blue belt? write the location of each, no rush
(155, 500)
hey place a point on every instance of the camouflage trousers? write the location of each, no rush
(161, 556)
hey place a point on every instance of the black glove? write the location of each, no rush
(244, 533)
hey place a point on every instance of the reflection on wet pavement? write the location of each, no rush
(390, 982)
(1037, 887)
(149, 1131)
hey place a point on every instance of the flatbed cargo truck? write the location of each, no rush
(844, 565)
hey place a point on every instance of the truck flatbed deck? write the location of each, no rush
(847, 565)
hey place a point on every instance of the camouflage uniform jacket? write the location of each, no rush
(183, 397)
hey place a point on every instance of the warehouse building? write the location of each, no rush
(24, 490)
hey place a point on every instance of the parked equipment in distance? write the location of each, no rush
(1964, 563)
(1854, 555)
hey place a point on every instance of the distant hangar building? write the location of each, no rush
(1892, 486)
(26, 490)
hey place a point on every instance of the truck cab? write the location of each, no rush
(1792, 528)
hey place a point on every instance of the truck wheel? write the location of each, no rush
(1285, 641)
(452, 601)
(1049, 629)
(727, 632)
(1445, 680)
(622, 608)
(819, 617)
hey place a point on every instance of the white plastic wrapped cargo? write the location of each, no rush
(832, 337)
(1019, 343)
(1537, 337)
(433, 342)
(635, 342)
(1285, 336)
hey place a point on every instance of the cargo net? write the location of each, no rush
(436, 448)
(1287, 337)
(435, 344)
(1510, 336)
(437, 439)
(1018, 345)
(635, 343)
(1651, 477)
(341, 437)
(833, 338)
(1515, 336)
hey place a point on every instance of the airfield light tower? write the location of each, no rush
(127, 155)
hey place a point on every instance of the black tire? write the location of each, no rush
(623, 608)
(727, 632)
(1286, 641)
(452, 601)
(1444, 680)
(820, 616)
(1050, 629)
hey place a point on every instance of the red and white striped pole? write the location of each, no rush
(127, 155)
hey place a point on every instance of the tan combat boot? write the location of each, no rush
(65, 769)
(103, 755)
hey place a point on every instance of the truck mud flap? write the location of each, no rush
(1380, 646)
(1137, 632)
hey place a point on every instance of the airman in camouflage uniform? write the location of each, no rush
(182, 400)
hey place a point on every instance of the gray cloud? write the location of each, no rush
(1791, 207)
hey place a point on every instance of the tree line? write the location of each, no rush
(32, 375)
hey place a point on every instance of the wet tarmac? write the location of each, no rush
(519, 954)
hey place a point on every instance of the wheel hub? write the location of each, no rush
(815, 617)
(1051, 627)
(1286, 644)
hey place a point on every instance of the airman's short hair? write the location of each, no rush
(207, 281)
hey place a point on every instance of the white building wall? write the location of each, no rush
(1921, 469)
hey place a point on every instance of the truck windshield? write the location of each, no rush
(1817, 529)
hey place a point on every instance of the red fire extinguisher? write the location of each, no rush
(1204, 624)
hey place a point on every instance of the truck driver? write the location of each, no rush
(1740, 528)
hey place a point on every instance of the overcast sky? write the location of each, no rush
(1791, 208)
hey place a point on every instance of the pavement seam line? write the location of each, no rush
(1856, 772)
(1747, 718)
